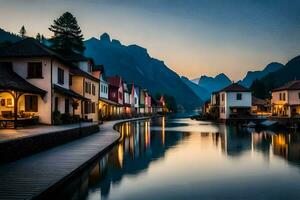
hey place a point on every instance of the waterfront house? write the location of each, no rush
(127, 105)
(84, 83)
(286, 100)
(116, 93)
(133, 97)
(147, 103)
(142, 101)
(235, 102)
(106, 107)
(39, 83)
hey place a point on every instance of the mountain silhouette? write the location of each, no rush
(253, 75)
(212, 84)
(198, 90)
(134, 64)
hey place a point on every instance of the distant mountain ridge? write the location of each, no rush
(133, 63)
(253, 75)
(199, 91)
(212, 84)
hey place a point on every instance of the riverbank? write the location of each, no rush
(37, 175)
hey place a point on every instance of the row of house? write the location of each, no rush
(39, 85)
(236, 101)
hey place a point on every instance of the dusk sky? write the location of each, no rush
(193, 37)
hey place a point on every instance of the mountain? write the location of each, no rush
(291, 71)
(199, 91)
(212, 84)
(253, 75)
(8, 37)
(134, 63)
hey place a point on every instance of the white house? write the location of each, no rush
(235, 101)
(286, 100)
(44, 69)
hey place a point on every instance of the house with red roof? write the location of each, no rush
(116, 92)
(286, 100)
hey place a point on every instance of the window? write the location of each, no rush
(223, 97)
(299, 95)
(60, 76)
(120, 95)
(88, 87)
(31, 103)
(34, 70)
(70, 80)
(135, 100)
(280, 97)
(67, 106)
(239, 96)
(283, 96)
(101, 88)
(114, 95)
(93, 89)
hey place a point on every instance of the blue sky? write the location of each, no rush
(193, 37)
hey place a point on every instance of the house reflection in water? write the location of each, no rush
(138, 147)
(235, 141)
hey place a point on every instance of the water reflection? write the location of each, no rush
(180, 158)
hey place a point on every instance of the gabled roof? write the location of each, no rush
(114, 81)
(30, 47)
(69, 92)
(292, 85)
(9, 80)
(235, 87)
(125, 86)
(80, 72)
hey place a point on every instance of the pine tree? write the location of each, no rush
(67, 34)
(22, 32)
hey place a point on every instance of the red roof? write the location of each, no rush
(292, 85)
(114, 81)
(235, 87)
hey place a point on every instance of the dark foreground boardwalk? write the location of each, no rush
(28, 177)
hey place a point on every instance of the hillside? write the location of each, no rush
(253, 75)
(134, 63)
(199, 91)
(291, 71)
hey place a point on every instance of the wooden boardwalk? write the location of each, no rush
(29, 177)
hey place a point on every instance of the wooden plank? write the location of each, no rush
(30, 176)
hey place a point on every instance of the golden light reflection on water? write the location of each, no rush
(205, 152)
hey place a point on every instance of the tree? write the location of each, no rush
(259, 89)
(67, 34)
(23, 32)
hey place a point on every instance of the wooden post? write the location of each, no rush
(15, 109)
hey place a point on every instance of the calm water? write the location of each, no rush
(185, 159)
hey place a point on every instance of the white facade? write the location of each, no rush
(103, 88)
(45, 82)
(286, 102)
(232, 100)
